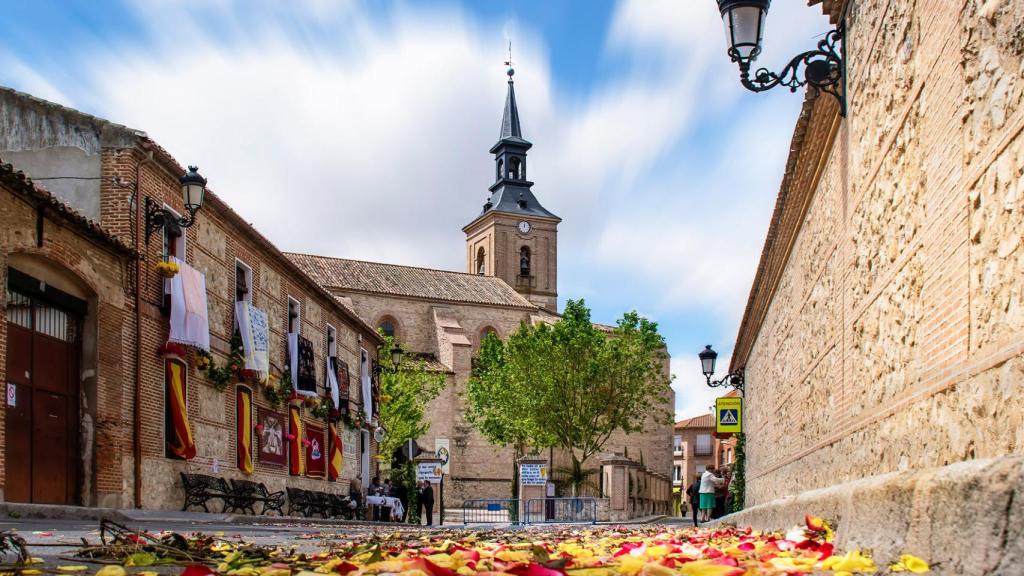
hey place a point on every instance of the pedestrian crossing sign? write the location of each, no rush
(729, 415)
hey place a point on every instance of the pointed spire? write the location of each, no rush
(510, 119)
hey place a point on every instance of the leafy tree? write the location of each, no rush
(404, 395)
(569, 384)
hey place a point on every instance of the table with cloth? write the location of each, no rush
(396, 505)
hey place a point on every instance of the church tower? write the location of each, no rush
(514, 237)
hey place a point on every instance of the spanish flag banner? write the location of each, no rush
(335, 462)
(295, 446)
(180, 440)
(243, 446)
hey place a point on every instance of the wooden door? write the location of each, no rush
(42, 413)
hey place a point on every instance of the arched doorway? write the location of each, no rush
(43, 361)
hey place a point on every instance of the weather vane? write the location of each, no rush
(508, 63)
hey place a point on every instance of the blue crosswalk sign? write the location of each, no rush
(728, 418)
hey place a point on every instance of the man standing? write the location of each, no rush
(693, 495)
(426, 498)
(708, 483)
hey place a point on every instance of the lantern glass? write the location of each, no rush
(744, 27)
(396, 357)
(707, 360)
(193, 187)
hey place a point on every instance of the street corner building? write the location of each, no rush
(155, 383)
(121, 370)
(511, 278)
(883, 338)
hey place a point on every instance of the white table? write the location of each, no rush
(396, 505)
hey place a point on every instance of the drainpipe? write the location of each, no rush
(137, 410)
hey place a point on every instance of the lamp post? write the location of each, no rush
(823, 69)
(193, 188)
(396, 360)
(734, 379)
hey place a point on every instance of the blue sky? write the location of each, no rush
(361, 129)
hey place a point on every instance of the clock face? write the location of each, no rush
(524, 227)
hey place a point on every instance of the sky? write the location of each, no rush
(360, 129)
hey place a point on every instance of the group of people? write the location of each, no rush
(709, 494)
(387, 490)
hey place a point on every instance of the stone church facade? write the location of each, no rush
(510, 278)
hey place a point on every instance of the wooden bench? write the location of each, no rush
(200, 489)
(247, 493)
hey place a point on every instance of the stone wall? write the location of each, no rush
(893, 336)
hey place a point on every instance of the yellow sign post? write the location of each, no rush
(729, 415)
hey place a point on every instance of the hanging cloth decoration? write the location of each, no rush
(316, 452)
(180, 444)
(190, 322)
(335, 462)
(243, 446)
(254, 330)
(332, 381)
(366, 385)
(301, 359)
(295, 447)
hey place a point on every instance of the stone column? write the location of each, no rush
(532, 486)
(428, 467)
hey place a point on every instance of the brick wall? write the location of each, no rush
(894, 335)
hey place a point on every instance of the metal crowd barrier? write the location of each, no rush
(490, 511)
(560, 511)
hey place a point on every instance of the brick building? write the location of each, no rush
(441, 315)
(79, 277)
(884, 331)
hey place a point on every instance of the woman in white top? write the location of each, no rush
(708, 483)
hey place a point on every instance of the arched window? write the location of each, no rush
(487, 330)
(480, 267)
(524, 261)
(515, 169)
(388, 326)
(501, 169)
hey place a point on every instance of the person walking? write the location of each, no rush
(693, 495)
(708, 483)
(426, 498)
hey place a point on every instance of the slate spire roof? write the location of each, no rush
(510, 128)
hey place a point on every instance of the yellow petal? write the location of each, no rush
(111, 571)
(72, 568)
(914, 564)
(705, 568)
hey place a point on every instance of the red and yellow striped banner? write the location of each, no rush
(243, 446)
(295, 450)
(180, 443)
(335, 462)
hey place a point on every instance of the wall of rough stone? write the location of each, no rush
(894, 337)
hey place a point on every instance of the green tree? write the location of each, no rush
(404, 395)
(570, 384)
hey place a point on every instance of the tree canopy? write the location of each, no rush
(404, 395)
(570, 384)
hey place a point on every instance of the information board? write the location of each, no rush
(533, 474)
(429, 471)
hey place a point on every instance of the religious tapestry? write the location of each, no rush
(341, 369)
(306, 373)
(295, 438)
(316, 452)
(271, 430)
(243, 431)
(179, 438)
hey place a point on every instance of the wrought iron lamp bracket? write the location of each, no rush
(823, 69)
(157, 217)
(734, 379)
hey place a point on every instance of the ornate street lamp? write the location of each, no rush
(396, 360)
(708, 357)
(823, 69)
(193, 188)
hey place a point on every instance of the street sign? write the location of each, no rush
(729, 415)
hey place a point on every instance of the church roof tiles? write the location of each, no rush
(427, 283)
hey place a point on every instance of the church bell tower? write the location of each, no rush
(514, 237)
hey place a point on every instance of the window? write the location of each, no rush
(501, 168)
(294, 322)
(524, 261)
(388, 326)
(480, 269)
(173, 237)
(703, 447)
(332, 341)
(677, 473)
(514, 173)
(677, 444)
(243, 282)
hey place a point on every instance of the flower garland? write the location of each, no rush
(220, 376)
(167, 269)
(275, 394)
